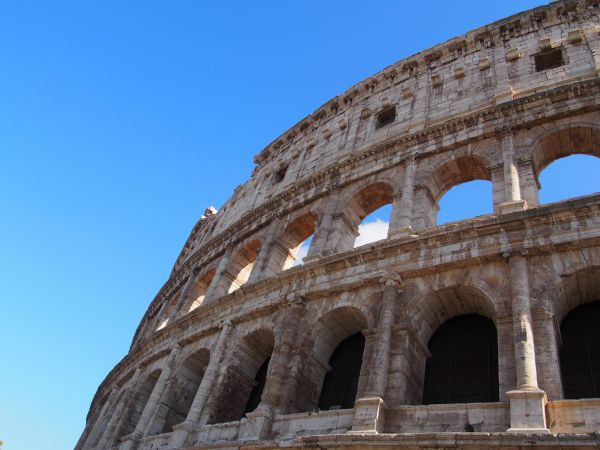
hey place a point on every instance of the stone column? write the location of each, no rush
(130, 442)
(259, 422)
(182, 430)
(261, 265)
(186, 293)
(321, 240)
(512, 187)
(527, 401)
(214, 290)
(401, 218)
(368, 410)
(547, 343)
(108, 436)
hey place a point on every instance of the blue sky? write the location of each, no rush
(120, 122)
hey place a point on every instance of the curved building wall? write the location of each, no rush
(499, 104)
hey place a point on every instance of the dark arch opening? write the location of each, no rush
(580, 352)
(463, 367)
(341, 382)
(255, 395)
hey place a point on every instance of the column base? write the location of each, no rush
(527, 411)
(180, 434)
(369, 416)
(129, 442)
(512, 206)
(402, 232)
(256, 426)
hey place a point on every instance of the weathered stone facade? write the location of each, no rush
(498, 104)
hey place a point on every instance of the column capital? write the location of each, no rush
(507, 254)
(391, 280)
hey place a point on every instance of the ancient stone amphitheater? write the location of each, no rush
(483, 332)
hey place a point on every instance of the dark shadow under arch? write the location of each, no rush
(580, 352)
(463, 367)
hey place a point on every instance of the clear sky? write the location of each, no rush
(120, 122)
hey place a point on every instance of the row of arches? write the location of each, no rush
(462, 367)
(365, 215)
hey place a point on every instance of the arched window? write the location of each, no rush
(293, 244)
(136, 406)
(341, 382)
(580, 352)
(260, 379)
(466, 200)
(374, 227)
(367, 215)
(200, 290)
(241, 387)
(242, 263)
(581, 171)
(463, 367)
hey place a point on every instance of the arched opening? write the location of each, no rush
(374, 227)
(241, 388)
(464, 201)
(242, 263)
(136, 406)
(367, 215)
(569, 177)
(180, 394)
(259, 386)
(336, 357)
(580, 352)
(341, 382)
(453, 173)
(199, 291)
(463, 367)
(294, 243)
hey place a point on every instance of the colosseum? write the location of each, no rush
(471, 334)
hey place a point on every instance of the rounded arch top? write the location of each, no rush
(570, 140)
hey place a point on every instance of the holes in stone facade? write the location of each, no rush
(580, 352)
(549, 59)
(279, 175)
(463, 367)
(199, 291)
(385, 117)
(374, 227)
(260, 379)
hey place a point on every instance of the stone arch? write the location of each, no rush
(566, 141)
(577, 288)
(325, 335)
(135, 405)
(238, 380)
(434, 183)
(177, 400)
(285, 249)
(437, 307)
(358, 204)
(241, 264)
(199, 290)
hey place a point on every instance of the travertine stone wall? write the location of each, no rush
(475, 107)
